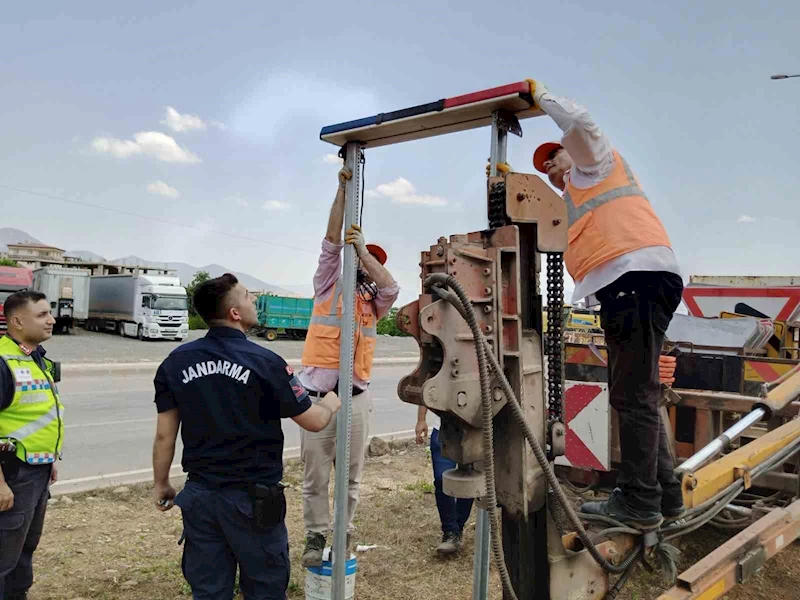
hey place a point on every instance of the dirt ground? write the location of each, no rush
(109, 545)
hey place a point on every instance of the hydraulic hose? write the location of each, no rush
(484, 351)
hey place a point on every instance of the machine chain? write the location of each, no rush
(554, 339)
(497, 205)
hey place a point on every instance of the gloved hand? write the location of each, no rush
(344, 175)
(502, 169)
(355, 236)
(538, 90)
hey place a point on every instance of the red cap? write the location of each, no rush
(378, 252)
(543, 153)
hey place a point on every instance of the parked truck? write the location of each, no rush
(283, 315)
(67, 290)
(12, 279)
(143, 306)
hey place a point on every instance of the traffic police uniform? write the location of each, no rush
(31, 434)
(231, 395)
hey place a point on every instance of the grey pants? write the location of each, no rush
(318, 451)
(21, 527)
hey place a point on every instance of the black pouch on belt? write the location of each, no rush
(269, 504)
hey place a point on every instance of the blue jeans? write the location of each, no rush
(220, 534)
(453, 512)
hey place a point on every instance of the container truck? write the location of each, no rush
(283, 315)
(12, 279)
(143, 306)
(67, 290)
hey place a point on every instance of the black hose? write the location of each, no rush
(620, 583)
(488, 429)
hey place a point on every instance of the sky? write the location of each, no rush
(189, 132)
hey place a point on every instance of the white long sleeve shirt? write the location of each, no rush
(593, 158)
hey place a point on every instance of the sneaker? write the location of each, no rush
(615, 508)
(451, 544)
(312, 554)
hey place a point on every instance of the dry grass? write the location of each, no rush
(109, 547)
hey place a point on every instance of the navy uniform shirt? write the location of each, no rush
(231, 395)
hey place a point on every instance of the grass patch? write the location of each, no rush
(112, 548)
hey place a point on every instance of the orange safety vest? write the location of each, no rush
(608, 220)
(325, 332)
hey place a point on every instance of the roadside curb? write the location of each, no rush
(150, 367)
(112, 480)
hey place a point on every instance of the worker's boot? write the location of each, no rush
(312, 554)
(451, 544)
(616, 508)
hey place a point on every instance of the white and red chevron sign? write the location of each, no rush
(586, 412)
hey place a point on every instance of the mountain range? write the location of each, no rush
(186, 272)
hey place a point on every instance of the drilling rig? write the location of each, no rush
(497, 380)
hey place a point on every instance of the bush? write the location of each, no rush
(388, 326)
(196, 322)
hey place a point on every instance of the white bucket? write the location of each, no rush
(319, 580)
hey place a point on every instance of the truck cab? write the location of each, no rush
(12, 279)
(164, 311)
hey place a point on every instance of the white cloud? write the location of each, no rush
(147, 143)
(402, 191)
(219, 125)
(745, 219)
(160, 188)
(332, 159)
(178, 122)
(274, 205)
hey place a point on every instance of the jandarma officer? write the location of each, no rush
(228, 396)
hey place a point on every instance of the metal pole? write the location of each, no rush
(784, 76)
(480, 574)
(721, 443)
(343, 423)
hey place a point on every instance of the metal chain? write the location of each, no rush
(554, 339)
(497, 205)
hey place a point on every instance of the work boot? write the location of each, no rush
(451, 544)
(616, 508)
(312, 554)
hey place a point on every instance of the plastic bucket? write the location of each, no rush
(319, 580)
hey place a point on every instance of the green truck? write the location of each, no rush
(285, 316)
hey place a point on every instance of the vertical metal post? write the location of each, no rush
(343, 423)
(480, 574)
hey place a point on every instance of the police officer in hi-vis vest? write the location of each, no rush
(376, 293)
(620, 258)
(228, 396)
(31, 434)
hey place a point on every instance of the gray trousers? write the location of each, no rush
(318, 451)
(21, 527)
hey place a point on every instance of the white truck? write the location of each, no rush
(143, 306)
(67, 290)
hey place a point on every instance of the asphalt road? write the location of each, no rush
(110, 426)
(87, 347)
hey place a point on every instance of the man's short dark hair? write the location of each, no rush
(19, 300)
(211, 299)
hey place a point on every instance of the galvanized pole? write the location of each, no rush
(343, 423)
(480, 577)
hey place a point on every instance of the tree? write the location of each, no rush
(388, 325)
(8, 262)
(199, 278)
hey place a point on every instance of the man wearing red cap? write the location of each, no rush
(620, 258)
(376, 292)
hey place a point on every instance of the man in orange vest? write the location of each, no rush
(376, 292)
(620, 258)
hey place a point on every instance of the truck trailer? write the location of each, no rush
(143, 306)
(12, 279)
(67, 290)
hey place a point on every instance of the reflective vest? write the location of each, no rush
(325, 332)
(34, 420)
(608, 220)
